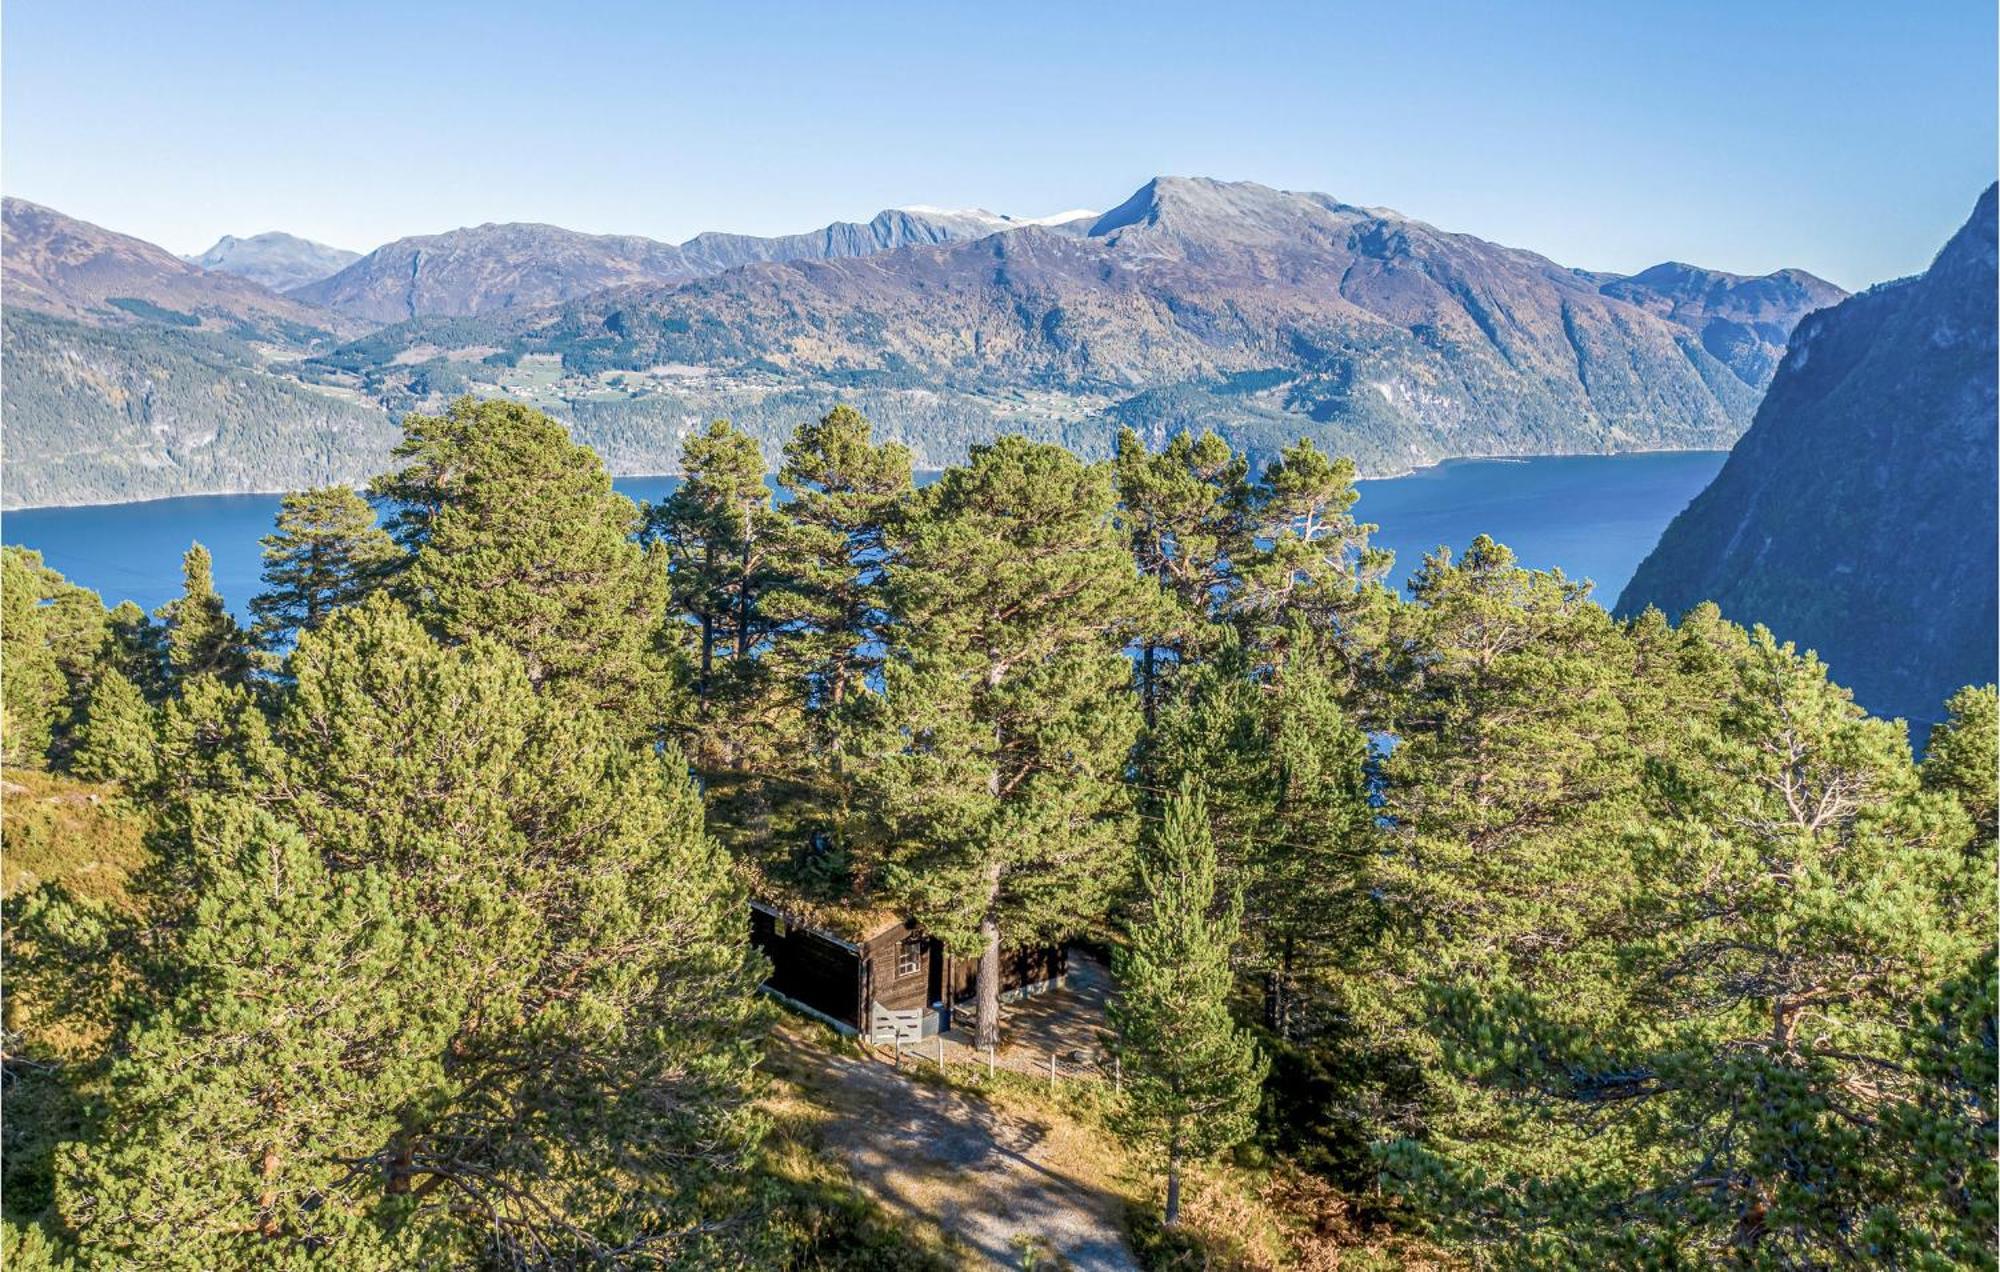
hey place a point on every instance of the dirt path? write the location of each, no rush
(996, 1181)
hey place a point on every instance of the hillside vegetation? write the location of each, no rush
(116, 414)
(1470, 924)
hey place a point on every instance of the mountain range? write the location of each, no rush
(1857, 516)
(493, 267)
(58, 265)
(1266, 314)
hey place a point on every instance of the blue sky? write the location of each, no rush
(1845, 138)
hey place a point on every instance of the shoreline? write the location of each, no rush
(1398, 475)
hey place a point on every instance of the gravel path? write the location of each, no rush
(996, 1181)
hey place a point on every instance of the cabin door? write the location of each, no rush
(935, 992)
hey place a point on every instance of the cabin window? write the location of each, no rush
(909, 957)
(779, 927)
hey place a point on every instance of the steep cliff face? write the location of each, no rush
(1857, 516)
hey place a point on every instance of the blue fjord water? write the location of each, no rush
(1595, 516)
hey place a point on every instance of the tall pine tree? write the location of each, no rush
(518, 537)
(326, 554)
(1192, 1078)
(1002, 761)
(1186, 511)
(202, 638)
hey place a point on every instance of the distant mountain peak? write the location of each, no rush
(57, 264)
(274, 259)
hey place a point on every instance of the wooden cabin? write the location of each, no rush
(881, 976)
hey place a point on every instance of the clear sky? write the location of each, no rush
(1846, 138)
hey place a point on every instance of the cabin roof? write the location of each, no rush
(850, 922)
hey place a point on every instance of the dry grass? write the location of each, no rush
(78, 834)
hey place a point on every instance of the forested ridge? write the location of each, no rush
(407, 924)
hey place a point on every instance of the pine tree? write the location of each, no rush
(593, 927)
(1963, 756)
(1792, 891)
(34, 687)
(721, 536)
(1186, 511)
(1313, 574)
(844, 489)
(202, 639)
(1191, 1077)
(117, 742)
(517, 536)
(824, 607)
(286, 1038)
(326, 554)
(1001, 764)
(436, 970)
(1287, 780)
(136, 647)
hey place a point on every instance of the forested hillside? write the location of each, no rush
(110, 414)
(1556, 939)
(1876, 441)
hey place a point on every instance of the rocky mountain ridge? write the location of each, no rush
(486, 268)
(1265, 313)
(1857, 516)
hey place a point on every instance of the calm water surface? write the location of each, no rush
(1594, 516)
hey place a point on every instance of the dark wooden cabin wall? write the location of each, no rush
(894, 991)
(1018, 969)
(810, 969)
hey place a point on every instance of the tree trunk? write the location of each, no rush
(707, 658)
(989, 981)
(743, 590)
(1151, 677)
(1173, 1189)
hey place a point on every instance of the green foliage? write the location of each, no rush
(516, 536)
(1963, 756)
(508, 1001)
(1287, 773)
(1191, 1076)
(33, 686)
(1314, 570)
(326, 554)
(1791, 891)
(722, 541)
(239, 1106)
(202, 639)
(1938, 1144)
(827, 613)
(1606, 943)
(1185, 510)
(117, 741)
(1000, 769)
